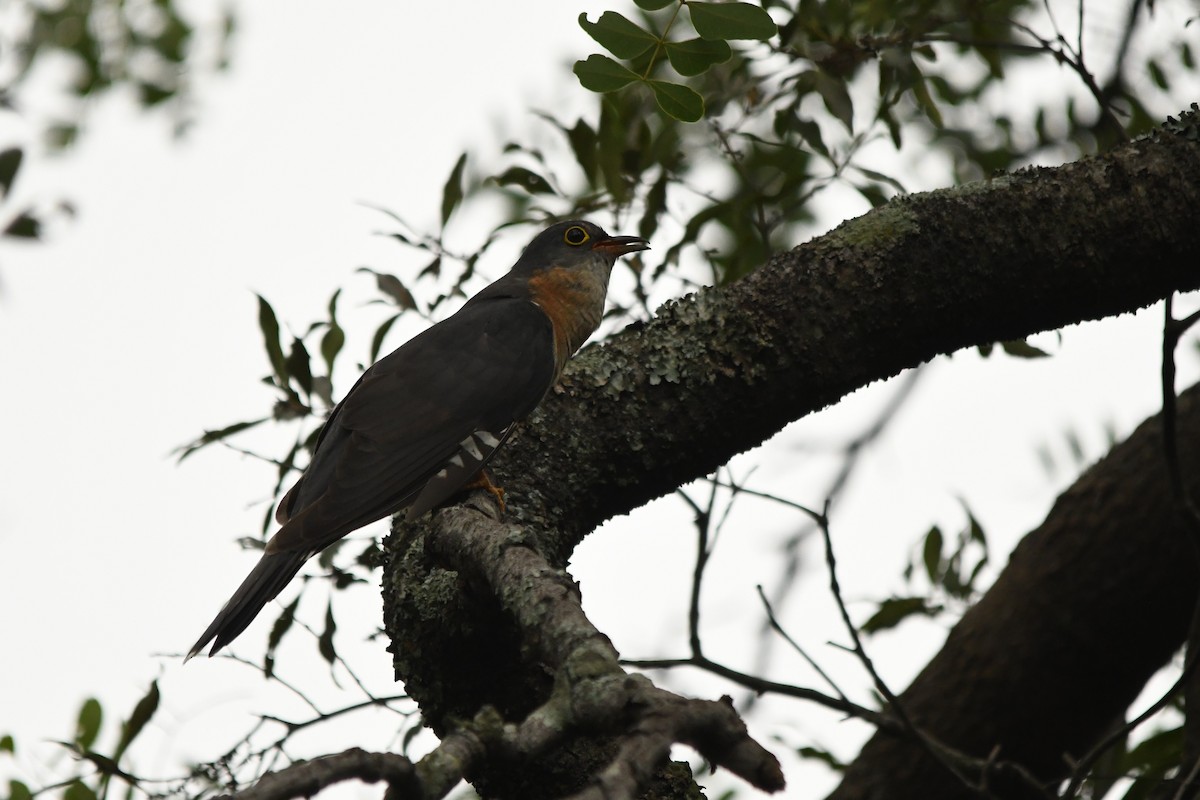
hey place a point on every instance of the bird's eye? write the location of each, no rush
(575, 235)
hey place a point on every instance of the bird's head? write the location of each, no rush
(576, 243)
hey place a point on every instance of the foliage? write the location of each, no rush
(715, 129)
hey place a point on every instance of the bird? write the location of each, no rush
(424, 420)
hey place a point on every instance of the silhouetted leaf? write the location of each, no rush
(694, 56)
(18, 791)
(24, 226)
(678, 101)
(731, 21)
(10, 162)
(87, 726)
(618, 35)
(1019, 348)
(299, 365)
(78, 790)
(601, 74)
(283, 624)
(215, 436)
(452, 192)
(325, 643)
(931, 554)
(142, 712)
(527, 179)
(334, 337)
(654, 5)
(391, 286)
(380, 332)
(269, 325)
(895, 610)
(7, 744)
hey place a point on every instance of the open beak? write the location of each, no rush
(620, 245)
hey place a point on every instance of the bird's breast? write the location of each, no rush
(573, 299)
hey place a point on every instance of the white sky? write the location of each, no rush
(135, 328)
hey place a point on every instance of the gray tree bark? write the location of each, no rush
(720, 371)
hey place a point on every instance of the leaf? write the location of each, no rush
(931, 554)
(282, 625)
(618, 35)
(391, 286)
(78, 790)
(87, 726)
(583, 145)
(269, 325)
(601, 74)
(325, 643)
(18, 791)
(7, 744)
(527, 179)
(895, 610)
(824, 756)
(215, 436)
(299, 365)
(653, 5)
(10, 162)
(836, 97)
(694, 56)
(24, 226)
(142, 713)
(731, 21)
(677, 101)
(1019, 348)
(334, 338)
(452, 192)
(380, 332)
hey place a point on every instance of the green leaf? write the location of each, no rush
(527, 179)
(78, 790)
(601, 74)
(895, 610)
(18, 791)
(731, 21)
(391, 286)
(694, 56)
(653, 5)
(299, 365)
(334, 338)
(282, 625)
(7, 744)
(1157, 75)
(931, 554)
(325, 643)
(618, 35)
(678, 101)
(10, 162)
(1019, 348)
(452, 192)
(87, 726)
(269, 325)
(24, 226)
(142, 713)
(824, 756)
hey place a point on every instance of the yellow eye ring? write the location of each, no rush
(575, 235)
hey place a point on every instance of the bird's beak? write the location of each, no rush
(620, 245)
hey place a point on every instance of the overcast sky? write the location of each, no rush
(135, 328)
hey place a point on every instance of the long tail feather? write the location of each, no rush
(267, 579)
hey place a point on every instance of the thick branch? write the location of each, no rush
(1090, 605)
(719, 372)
